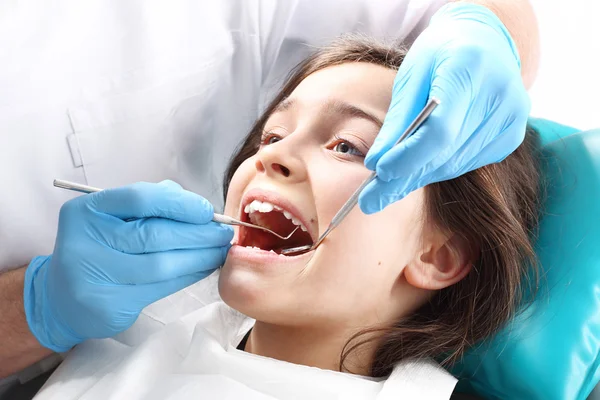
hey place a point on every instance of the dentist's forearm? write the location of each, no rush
(519, 18)
(18, 347)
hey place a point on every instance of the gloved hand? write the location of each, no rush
(467, 59)
(116, 252)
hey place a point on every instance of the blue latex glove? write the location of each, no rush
(467, 59)
(116, 252)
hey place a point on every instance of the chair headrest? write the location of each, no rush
(551, 351)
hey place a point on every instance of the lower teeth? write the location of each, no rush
(270, 251)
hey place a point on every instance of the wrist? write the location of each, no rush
(43, 324)
(474, 13)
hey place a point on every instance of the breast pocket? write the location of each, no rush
(155, 131)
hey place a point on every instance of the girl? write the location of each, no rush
(383, 296)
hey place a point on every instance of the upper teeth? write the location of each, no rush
(266, 207)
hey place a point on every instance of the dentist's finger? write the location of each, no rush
(410, 94)
(152, 235)
(145, 200)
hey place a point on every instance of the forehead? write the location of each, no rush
(363, 84)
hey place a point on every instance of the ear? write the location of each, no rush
(442, 262)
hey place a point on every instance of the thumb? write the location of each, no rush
(379, 194)
(152, 292)
(409, 96)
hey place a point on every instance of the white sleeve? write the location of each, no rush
(291, 29)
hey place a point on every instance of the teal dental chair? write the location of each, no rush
(552, 350)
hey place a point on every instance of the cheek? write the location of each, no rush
(237, 186)
(366, 254)
(392, 234)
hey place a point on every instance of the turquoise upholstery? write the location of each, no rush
(552, 350)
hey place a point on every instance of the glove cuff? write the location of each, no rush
(48, 331)
(460, 11)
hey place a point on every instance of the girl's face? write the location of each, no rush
(311, 160)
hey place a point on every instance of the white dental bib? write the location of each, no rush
(196, 357)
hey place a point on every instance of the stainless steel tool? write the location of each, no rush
(223, 219)
(353, 200)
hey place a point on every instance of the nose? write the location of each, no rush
(279, 162)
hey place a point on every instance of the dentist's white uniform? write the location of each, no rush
(109, 92)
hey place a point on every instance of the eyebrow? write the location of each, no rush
(336, 107)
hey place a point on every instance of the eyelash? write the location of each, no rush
(266, 136)
(352, 146)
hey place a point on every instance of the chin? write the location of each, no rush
(259, 294)
(242, 289)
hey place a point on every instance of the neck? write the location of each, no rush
(309, 346)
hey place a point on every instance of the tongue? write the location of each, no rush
(276, 222)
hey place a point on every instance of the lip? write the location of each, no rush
(265, 259)
(278, 200)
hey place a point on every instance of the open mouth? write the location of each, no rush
(275, 218)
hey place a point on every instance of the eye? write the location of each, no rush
(269, 138)
(346, 147)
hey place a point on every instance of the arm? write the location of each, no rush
(18, 347)
(519, 18)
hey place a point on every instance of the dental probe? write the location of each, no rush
(220, 218)
(353, 200)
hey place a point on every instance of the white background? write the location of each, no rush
(567, 89)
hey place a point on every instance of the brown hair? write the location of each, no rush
(495, 208)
